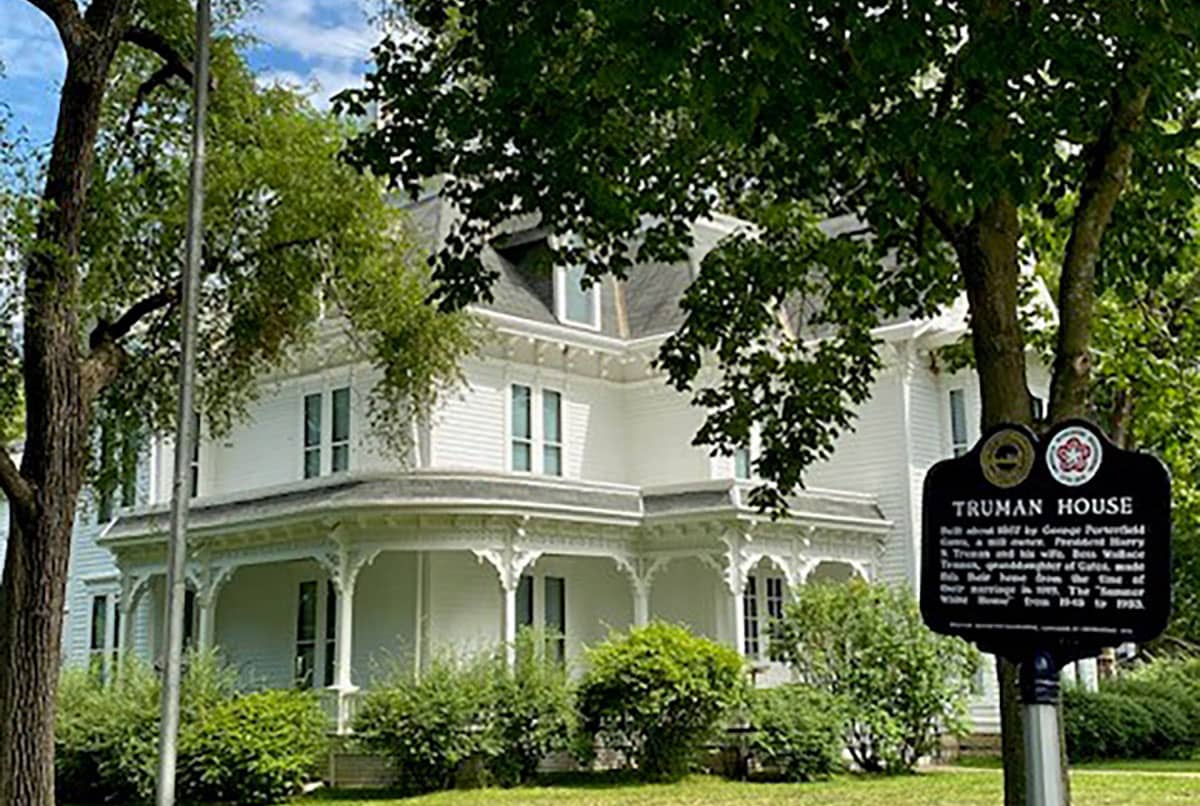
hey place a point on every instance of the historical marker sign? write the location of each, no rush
(1061, 544)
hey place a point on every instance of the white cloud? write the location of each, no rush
(29, 45)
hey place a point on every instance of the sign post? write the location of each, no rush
(1044, 551)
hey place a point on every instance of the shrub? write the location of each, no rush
(1154, 712)
(797, 731)
(254, 748)
(533, 708)
(656, 693)
(105, 737)
(245, 748)
(429, 725)
(867, 646)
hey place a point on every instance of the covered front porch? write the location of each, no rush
(336, 582)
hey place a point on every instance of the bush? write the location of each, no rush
(1154, 712)
(656, 693)
(534, 711)
(245, 748)
(253, 748)
(796, 731)
(429, 725)
(867, 646)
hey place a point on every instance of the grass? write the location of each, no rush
(1122, 765)
(953, 788)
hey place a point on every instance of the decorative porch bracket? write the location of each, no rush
(510, 561)
(641, 571)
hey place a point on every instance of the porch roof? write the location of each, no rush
(431, 493)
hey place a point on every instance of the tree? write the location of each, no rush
(939, 127)
(291, 231)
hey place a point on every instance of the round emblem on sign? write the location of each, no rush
(1073, 456)
(1006, 458)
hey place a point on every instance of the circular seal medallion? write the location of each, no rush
(1006, 458)
(1073, 456)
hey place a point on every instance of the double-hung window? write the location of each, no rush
(959, 441)
(553, 611)
(315, 432)
(741, 463)
(522, 428)
(330, 632)
(540, 451)
(312, 436)
(306, 635)
(98, 639)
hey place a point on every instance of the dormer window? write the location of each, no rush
(575, 303)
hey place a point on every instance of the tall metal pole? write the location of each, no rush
(180, 489)
(1039, 701)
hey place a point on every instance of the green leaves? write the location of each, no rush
(655, 693)
(866, 645)
(294, 238)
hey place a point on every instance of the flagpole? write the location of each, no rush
(180, 488)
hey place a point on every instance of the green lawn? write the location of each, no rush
(965, 788)
(1129, 765)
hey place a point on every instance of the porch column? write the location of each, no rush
(734, 575)
(343, 568)
(344, 634)
(509, 626)
(641, 573)
(641, 604)
(510, 561)
(131, 589)
(208, 586)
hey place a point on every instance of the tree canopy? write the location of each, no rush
(947, 131)
(934, 126)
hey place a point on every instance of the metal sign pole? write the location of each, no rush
(1043, 760)
(180, 489)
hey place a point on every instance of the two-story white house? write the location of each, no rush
(558, 487)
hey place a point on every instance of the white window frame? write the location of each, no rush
(756, 609)
(958, 448)
(560, 301)
(325, 445)
(537, 437)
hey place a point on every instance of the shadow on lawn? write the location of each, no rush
(614, 779)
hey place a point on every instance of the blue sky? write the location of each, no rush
(318, 45)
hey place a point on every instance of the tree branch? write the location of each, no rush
(157, 79)
(18, 489)
(1107, 172)
(65, 16)
(156, 43)
(104, 361)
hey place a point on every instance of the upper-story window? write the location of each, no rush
(524, 442)
(741, 463)
(576, 303)
(339, 432)
(959, 443)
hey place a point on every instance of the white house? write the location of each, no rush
(559, 487)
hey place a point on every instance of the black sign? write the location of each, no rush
(1061, 544)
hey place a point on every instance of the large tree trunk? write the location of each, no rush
(57, 406)
(987, 250)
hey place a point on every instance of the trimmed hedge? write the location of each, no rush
(1154, 712)
(233, 747)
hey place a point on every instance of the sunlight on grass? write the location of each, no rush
(928, 789)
